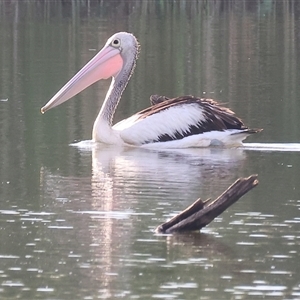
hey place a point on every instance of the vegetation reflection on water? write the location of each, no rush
(79, 223)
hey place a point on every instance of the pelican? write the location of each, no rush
(181, 122)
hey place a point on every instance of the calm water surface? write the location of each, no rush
(77, 223)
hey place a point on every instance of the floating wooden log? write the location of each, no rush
(201, 213)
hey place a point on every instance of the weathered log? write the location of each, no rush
(201, 213)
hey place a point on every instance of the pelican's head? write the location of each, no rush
(120, 49)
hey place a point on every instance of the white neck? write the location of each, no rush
(102, 130)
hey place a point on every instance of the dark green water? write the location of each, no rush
(78, 223)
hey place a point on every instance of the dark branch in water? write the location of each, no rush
(201, 213)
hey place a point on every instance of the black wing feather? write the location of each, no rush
(217, 117)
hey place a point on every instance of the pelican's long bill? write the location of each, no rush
(106, 63)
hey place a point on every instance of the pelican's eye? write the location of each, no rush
(116, 43)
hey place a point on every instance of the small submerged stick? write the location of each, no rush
(201, 213)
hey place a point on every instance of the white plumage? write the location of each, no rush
(146, 130)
